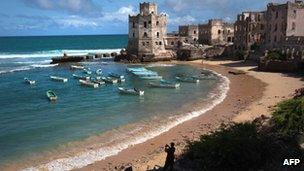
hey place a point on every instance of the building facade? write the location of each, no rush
(249, 30)
(189, 32)
(284, 20)
(215, 32)
(147, 32)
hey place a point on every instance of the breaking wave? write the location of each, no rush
(55, 53)
(92, 156)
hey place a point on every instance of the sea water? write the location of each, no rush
(31, 125)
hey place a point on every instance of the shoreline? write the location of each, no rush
(89, 153)
(247, 94)
(250, 96)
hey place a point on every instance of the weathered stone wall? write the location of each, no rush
(190, 32)
(293, 47)
(147, 32)
(283, 20)
(249, 29)
(216, 32)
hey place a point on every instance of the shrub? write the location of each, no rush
(239, 147)
(289, 116)
(274, 55)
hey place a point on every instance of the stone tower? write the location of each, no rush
(147, 31)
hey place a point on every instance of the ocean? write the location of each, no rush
(33, 128)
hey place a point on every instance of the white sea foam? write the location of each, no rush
(92, 156)
(43, 66)
(25, 68)
(159, 65)
(55, 53)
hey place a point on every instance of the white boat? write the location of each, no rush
(77, 67)
(88, 83)
(138, 69)
(87, 71)
(151, 77)
(164, 84)
(116, 75)
(187, 79)
(110, 80)
(81, 77)
(61, 79)
(100, 82)
(132, 91)
(31, 82)
(99, 72)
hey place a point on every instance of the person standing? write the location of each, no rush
(170, 150)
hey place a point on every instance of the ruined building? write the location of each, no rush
(189, 32)
(284, 20)
(249, 30)
(147, 31)
(215, 32)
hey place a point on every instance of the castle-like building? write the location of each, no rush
(147, 32)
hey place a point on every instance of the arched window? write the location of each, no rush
(133, 34)
(145, 34)
(157, 34)
(219, 31)
(157, 23)
(160, 43)
(133, 24)
(145, 24)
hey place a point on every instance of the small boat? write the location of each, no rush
(164, 85)
(116, 75)
(132, 91)
(89, 83)
(77, 67)
(110, 80)
(31, 82)
(87, 71)
(151, 77)
(99, 72)
(187, 79)
(97, 80)
(139, 69)
(61, 79)
(51, 95)
(81, 77)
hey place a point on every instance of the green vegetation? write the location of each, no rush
(251, 146)
(289, 116)
(255, 46)
(275, 55)
(240, 147)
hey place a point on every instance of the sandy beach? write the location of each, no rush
(251, 95)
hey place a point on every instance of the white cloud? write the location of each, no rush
(75, 21)
(121, 14)
(188, 19)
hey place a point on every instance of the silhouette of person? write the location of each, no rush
(170, 157)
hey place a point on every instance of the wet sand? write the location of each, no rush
(250, 96)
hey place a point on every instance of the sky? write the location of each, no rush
(89, 17)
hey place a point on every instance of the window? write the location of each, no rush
(157, 23)
(145, 34)
(133, 24)
(295, 13)
(149, 22)
(228, 31)
(293, 26)
(145, 24)
(276, 27)
(147, 43)
(143, 43)
(194, 32)
(157, 34)
(156, 43)
(172, 43)
(160, 43)
(262, 26)
(133, 34)
(277, 14)
(219, 31)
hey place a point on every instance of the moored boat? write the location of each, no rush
(164, 85)
(110, 80)
(51, 95)
(98, 81)
(187, 79)
(151, 77)
(31, 82)
(132, 91)
(77, 67)
(116, 75)
(61, 79)
(81, 77)
(87, 71)
(138, 69)
(99, 72)
(89, 83)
